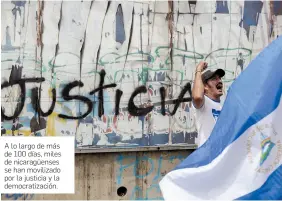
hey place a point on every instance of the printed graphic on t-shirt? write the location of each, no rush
(215, 114)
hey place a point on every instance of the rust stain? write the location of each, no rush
(271, 5)
(169, 17)
(271, 17)
(39, 23)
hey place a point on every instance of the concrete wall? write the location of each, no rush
(100, 176)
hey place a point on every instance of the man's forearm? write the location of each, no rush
(198, 86)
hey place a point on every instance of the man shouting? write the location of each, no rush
(206, 93)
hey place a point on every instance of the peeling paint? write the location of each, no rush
(155, 44)
(120, 33)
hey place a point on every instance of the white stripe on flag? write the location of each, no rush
(230, 175)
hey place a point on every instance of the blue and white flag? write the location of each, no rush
(242, 159)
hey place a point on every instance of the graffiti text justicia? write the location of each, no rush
(132, 108)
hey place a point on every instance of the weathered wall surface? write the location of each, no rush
(55, 46)
(105, 176)
(66, 46)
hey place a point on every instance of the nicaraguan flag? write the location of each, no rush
(243, 156)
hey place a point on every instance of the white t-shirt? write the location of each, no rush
(205, 119)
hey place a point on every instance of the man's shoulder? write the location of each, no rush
(207, 103)
(202, 107)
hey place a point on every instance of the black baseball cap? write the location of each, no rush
(209, 74)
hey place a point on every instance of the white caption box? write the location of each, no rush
(37, 165)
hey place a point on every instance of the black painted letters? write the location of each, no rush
(67, 97)
(132, 109)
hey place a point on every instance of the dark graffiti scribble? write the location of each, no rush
(66, 96)
(33, 80)
(36, 102)
(132, 109)
(162, 92)
(37, 124)
(20, 104)
(118, 97)
(100, 90)
(16, 78)
(181, 98)
(16, 74)
(16, 125)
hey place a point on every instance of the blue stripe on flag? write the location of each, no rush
(271, 189)
(252, 96)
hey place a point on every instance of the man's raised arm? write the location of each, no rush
(198, 86)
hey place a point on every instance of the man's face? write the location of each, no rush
(214, 86)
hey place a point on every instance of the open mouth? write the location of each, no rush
(219, 86)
